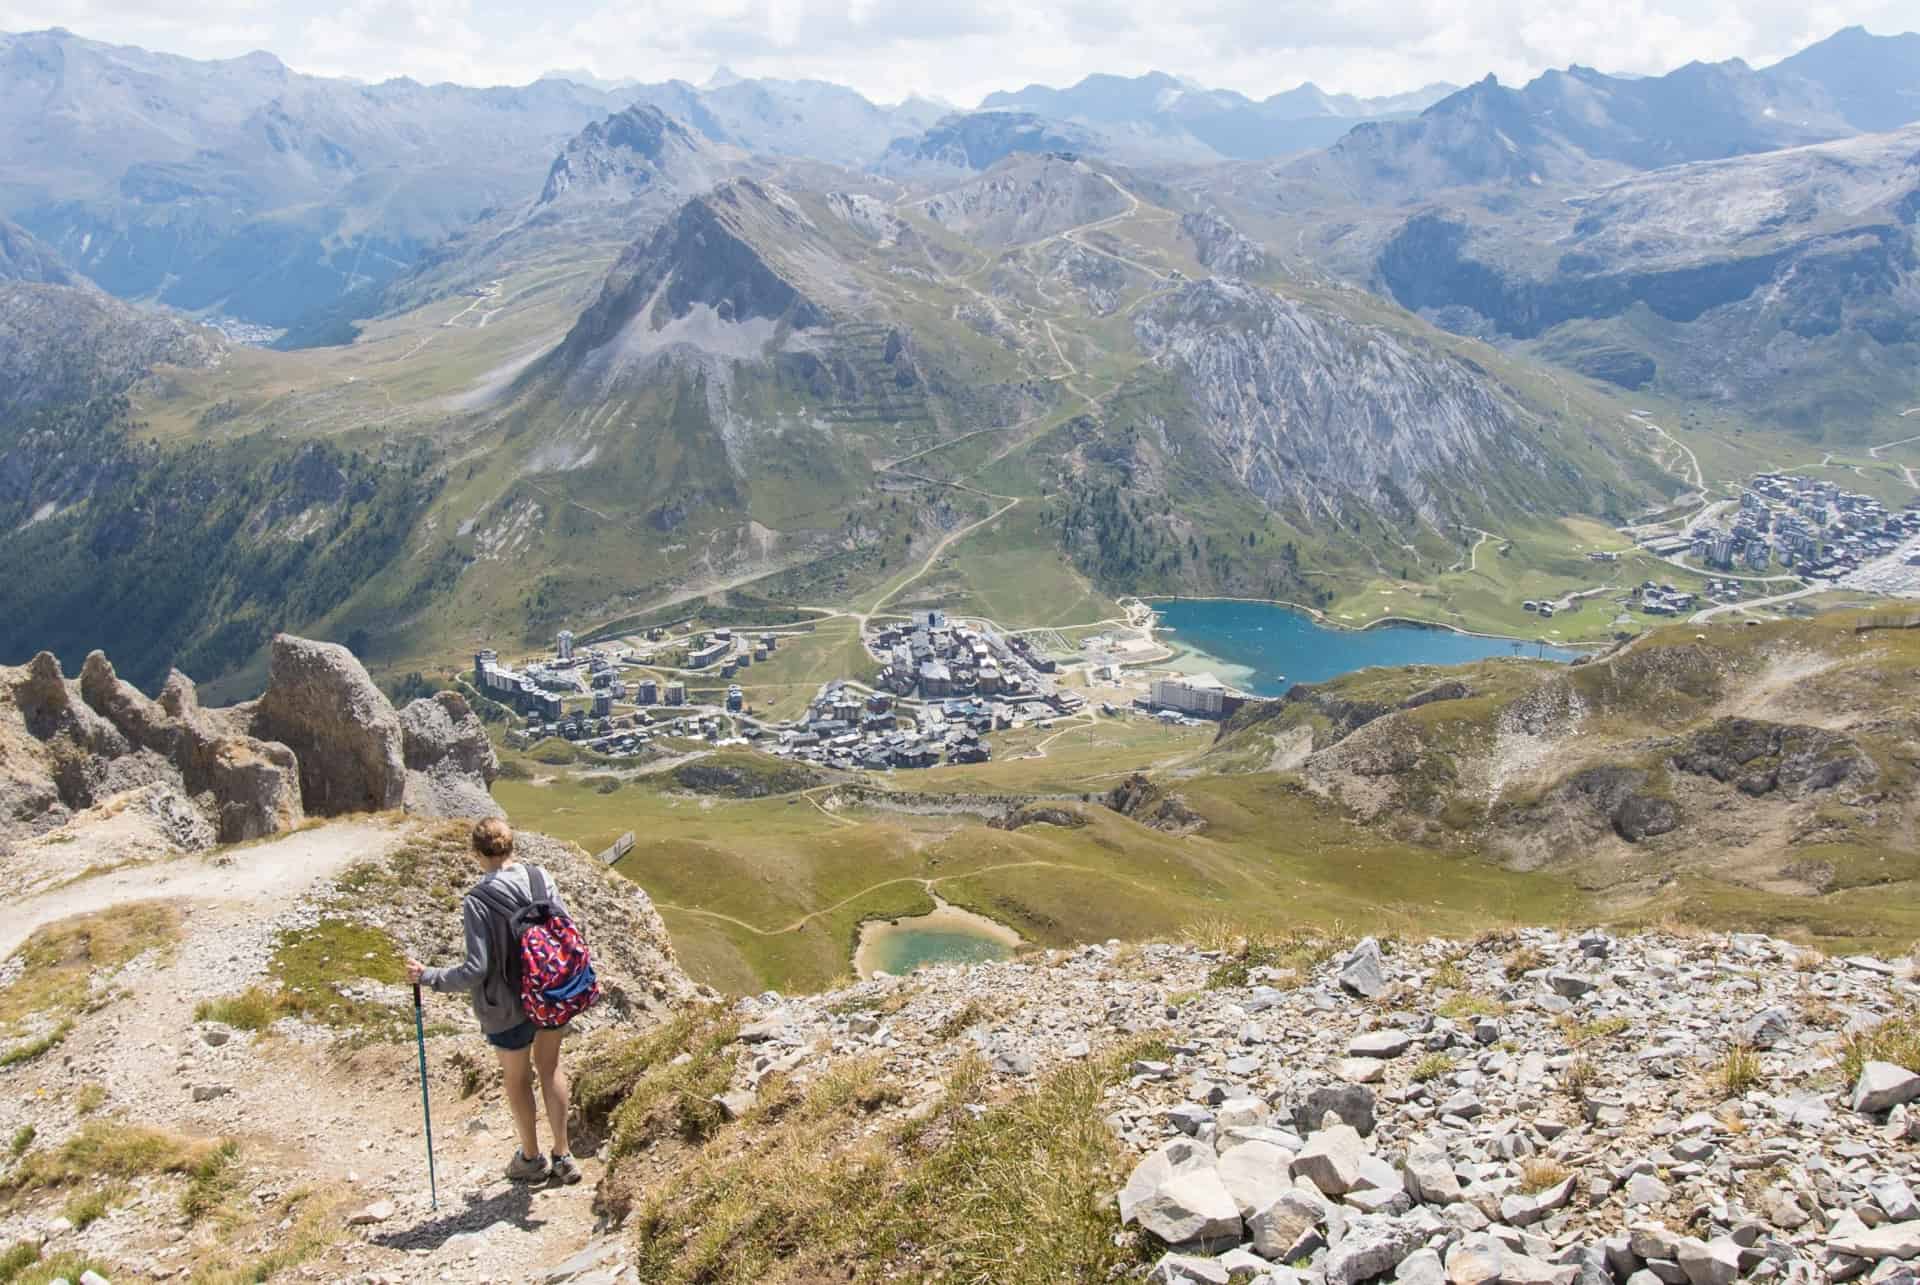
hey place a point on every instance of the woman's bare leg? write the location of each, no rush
(517, 1069)
(553, 1087)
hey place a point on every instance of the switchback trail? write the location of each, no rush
(928, 884)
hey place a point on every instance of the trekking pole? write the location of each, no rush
(426, 1108)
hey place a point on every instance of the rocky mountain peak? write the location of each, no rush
(616, 159)
(707, 280)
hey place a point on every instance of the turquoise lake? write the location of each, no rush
(903, 952)
(1259, 642)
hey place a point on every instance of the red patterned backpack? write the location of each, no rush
(549, 964)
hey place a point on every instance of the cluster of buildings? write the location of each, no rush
(934, 660)
(846, 729)
(625, 736)
(1662, 599)
(517, 690)
(1812, 526)
(730, 654)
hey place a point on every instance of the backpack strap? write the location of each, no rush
(537, 882)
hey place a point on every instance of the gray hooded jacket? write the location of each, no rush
(481, 975)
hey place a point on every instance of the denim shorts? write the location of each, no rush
(514, 1038)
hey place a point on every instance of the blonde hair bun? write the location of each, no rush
(493, 838)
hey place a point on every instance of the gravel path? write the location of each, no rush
(274, 870)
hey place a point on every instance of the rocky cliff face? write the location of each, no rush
(323, 740)
(1308, 409)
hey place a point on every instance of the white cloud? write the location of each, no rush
(961, 51)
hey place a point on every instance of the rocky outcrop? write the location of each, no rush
(1139, 798)
(1222, 247)
(322, 740)
(450, 762)
(1760, 758)
(1039, 814)
(321, 704)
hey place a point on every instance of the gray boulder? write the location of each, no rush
(1765, 1029)
(1709, 1263)
(1373, 1246)
(1188, 1269)
(1288, 1228)
(1363, 972)
(1421, 1267)
(1570, 984)
(1381, 1044)
(1522, 1210)
(1350, 1103)
(1176, 1194)
(1476, 1260)
(320, 704)
(1333, 1160)
(1255, 1174)
(1883, 1086)
(1430, 1176)
(1889, 1240)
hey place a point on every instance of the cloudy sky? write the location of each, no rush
(960, 51)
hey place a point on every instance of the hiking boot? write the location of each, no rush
(566, 1169)
(527, 1168)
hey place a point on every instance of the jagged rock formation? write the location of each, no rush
(450, 762)
(1221, 246)
(322, 740)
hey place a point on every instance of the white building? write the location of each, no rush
(563, 645)
(1190, 694)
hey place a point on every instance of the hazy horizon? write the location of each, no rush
(892, 52)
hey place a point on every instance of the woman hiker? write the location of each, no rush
(522, 1046)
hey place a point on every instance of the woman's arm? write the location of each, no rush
(467, 975)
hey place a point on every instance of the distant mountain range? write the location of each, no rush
(243, 188)
(1159, 113)
(1581, 125)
